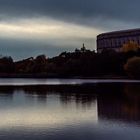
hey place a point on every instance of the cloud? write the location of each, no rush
(78, 11)
(45, 29)
(43, 35)
(61, 24)
(104, 15)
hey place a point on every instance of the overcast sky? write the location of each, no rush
(33, 27)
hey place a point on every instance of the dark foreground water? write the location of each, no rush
(98, 111)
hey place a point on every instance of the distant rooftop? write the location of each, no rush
(120, 33)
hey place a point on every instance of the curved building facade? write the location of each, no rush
(115, 40)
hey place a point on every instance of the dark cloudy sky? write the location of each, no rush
(32, 27)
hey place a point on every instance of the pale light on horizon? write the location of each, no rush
(47, 29)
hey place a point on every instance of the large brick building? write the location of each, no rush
(115, 40)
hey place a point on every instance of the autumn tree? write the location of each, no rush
(130, 46)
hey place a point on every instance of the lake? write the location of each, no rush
(74, 109)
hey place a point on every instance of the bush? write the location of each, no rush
(132, 67)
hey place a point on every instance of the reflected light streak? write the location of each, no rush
(43, 117)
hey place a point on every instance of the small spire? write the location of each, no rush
(83, 45)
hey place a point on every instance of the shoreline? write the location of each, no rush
(57, 82)
(46, 76)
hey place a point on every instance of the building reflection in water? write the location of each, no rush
(42, 105)
(122, 103)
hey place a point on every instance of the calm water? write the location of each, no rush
(100, 111)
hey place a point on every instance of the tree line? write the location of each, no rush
(79, 63)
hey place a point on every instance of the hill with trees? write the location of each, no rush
(79, 63)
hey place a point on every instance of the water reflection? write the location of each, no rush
(122, 105)
(38, 107)
(94, 110)
(116, 101)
